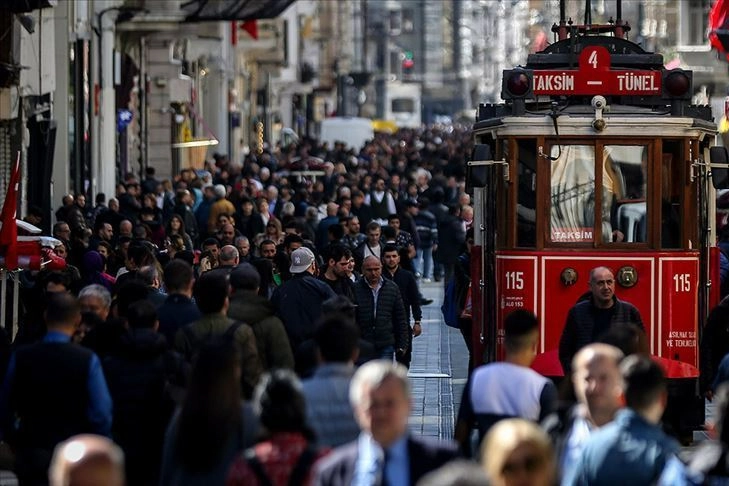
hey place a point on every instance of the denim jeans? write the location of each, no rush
(424, 262)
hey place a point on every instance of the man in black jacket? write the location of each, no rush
(298, 301)
(405, 281)
(588, 320)
(142, 377)
(380, 311)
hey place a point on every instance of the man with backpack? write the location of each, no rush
(211, 296)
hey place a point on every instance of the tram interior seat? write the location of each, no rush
(632, 221)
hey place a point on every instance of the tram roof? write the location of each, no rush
(617, 125)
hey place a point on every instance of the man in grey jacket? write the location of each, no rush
(327, 391)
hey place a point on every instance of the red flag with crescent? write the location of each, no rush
(9, 230)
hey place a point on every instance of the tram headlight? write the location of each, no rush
(517, 84)
(677, 84)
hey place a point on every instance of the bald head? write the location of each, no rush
(597, 381)
(228, 255)
(87, 460)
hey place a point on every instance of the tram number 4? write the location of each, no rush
(593, 59)
(514, 280)
(682, 282)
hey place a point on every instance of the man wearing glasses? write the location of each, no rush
(589, 319)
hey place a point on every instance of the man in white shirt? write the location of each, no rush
(507, 389)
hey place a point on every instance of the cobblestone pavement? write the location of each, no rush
(438, 370)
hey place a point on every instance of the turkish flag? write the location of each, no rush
(719, 26)
(9, 231)
(250, 26)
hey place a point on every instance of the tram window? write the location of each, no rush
(671, 169)
(624, 178)
(526, 204)
(572, 194)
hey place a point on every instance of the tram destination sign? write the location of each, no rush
(594, 77)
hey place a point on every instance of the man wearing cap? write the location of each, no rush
(298, 301)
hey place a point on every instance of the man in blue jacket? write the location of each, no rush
(53, 390)
(632, 450)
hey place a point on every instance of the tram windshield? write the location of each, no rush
(622, 213)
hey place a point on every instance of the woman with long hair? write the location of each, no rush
(287, 453)
(273, 232)
(176, 226)
(213, 424)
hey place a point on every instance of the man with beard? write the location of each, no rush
(336, 273)
(405, 281)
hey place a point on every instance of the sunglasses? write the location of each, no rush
(529, 464)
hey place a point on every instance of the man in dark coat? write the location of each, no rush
(178, 309)
(380, 311)
(588, 320)
(384, 453)
(247, 306)
(405, 281)
(451, 238)
(141, 378)
(298, 301)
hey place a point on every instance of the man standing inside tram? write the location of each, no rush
(589, 319)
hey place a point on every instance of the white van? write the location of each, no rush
(352, 131)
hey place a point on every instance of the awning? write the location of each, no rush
(204, 10)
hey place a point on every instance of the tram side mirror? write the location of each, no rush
(719, 175)
(476, 174)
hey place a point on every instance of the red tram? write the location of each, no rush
(597, 157)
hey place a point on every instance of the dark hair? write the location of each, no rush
(141, 315)
(245, 277)
(266, 242)
(338, 251)
(292, 238)
(210, 241)
(130, 292)
(389, 233)
(518, 326)
(57, 278)
(61, 309)
(177, 275)
(392, 216)
(628, 338)
(148, 274)
(372, 225)
(337, 338)
(280, 403)
(336, 230)
(211, 412)
(643, 380)
(210, 291)
(141, 255)
(168, 227)
(388, 248)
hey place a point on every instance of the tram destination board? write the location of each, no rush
(595, 76)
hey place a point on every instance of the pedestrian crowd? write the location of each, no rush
(253, 324)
